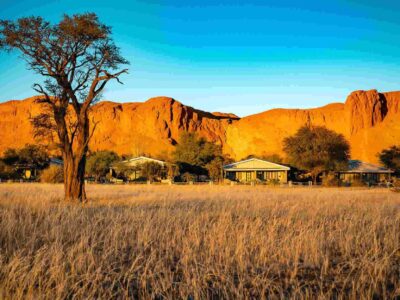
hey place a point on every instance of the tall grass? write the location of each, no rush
(199, 242)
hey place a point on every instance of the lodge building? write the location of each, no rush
(364, 172)
(255, 169)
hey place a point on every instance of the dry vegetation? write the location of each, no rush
(199, 242)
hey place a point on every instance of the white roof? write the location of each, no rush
(270, 167)
(141, 159)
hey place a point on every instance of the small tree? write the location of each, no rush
(215, 169)
(193, 154)
(98, 164)
(77, 58)
(317, 149)
(10, 156)
(6, 171)
(33, 155)
(188, 177)
(151, 170)
(172, 171)
(390, 158)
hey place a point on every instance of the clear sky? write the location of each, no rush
(234, 56)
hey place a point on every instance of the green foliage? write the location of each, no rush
(35, 155)
(332, 180)
(390, 158)
(123, 171)
(396, 185)
(194, 150)
(197, 156)
(172, 171)
(98, 164)
(317, 149)
(30, 154)
(215, 168)
(151, 170)
(187, 177)
(53, 174)
(6, 171)
(10, 156)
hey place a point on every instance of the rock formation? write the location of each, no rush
(368, 119)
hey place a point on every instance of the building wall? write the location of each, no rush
(247, 176)
(366, 177)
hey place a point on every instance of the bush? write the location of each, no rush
(6, 171)
(187, 177)
(98, 163)
(53, 174)
(331, 180)
(396, 185)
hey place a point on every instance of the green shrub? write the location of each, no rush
(396, 185)
(331, 180)
(187, 177)
(53, 174)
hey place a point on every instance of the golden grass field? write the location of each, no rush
(197, 242)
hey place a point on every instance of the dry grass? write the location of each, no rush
(199, 242)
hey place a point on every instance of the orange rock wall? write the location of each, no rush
(368, 119)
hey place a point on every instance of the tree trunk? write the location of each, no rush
(74, 178)
(75, 162)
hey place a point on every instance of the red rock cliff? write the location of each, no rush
(368, 119)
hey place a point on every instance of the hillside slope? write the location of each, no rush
(368, 119)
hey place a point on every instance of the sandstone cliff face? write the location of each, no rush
(151, 127)
(368, 119)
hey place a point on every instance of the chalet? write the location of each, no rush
(132, 168)
(254, 169)
(364, 172)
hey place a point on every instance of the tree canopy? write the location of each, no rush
(151, 170)
(98, 163)
(14, 161)
(317, 149)
(390, 158)
(198, 156)
(32, 155)
(76, 58)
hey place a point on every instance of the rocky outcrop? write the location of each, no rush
(368, 119)
(365, 109)
(152, 127)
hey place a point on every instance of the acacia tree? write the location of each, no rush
(391, 158)
(317, 149)
(77, 58)
(99, 163)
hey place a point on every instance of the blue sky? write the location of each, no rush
(234, 56)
